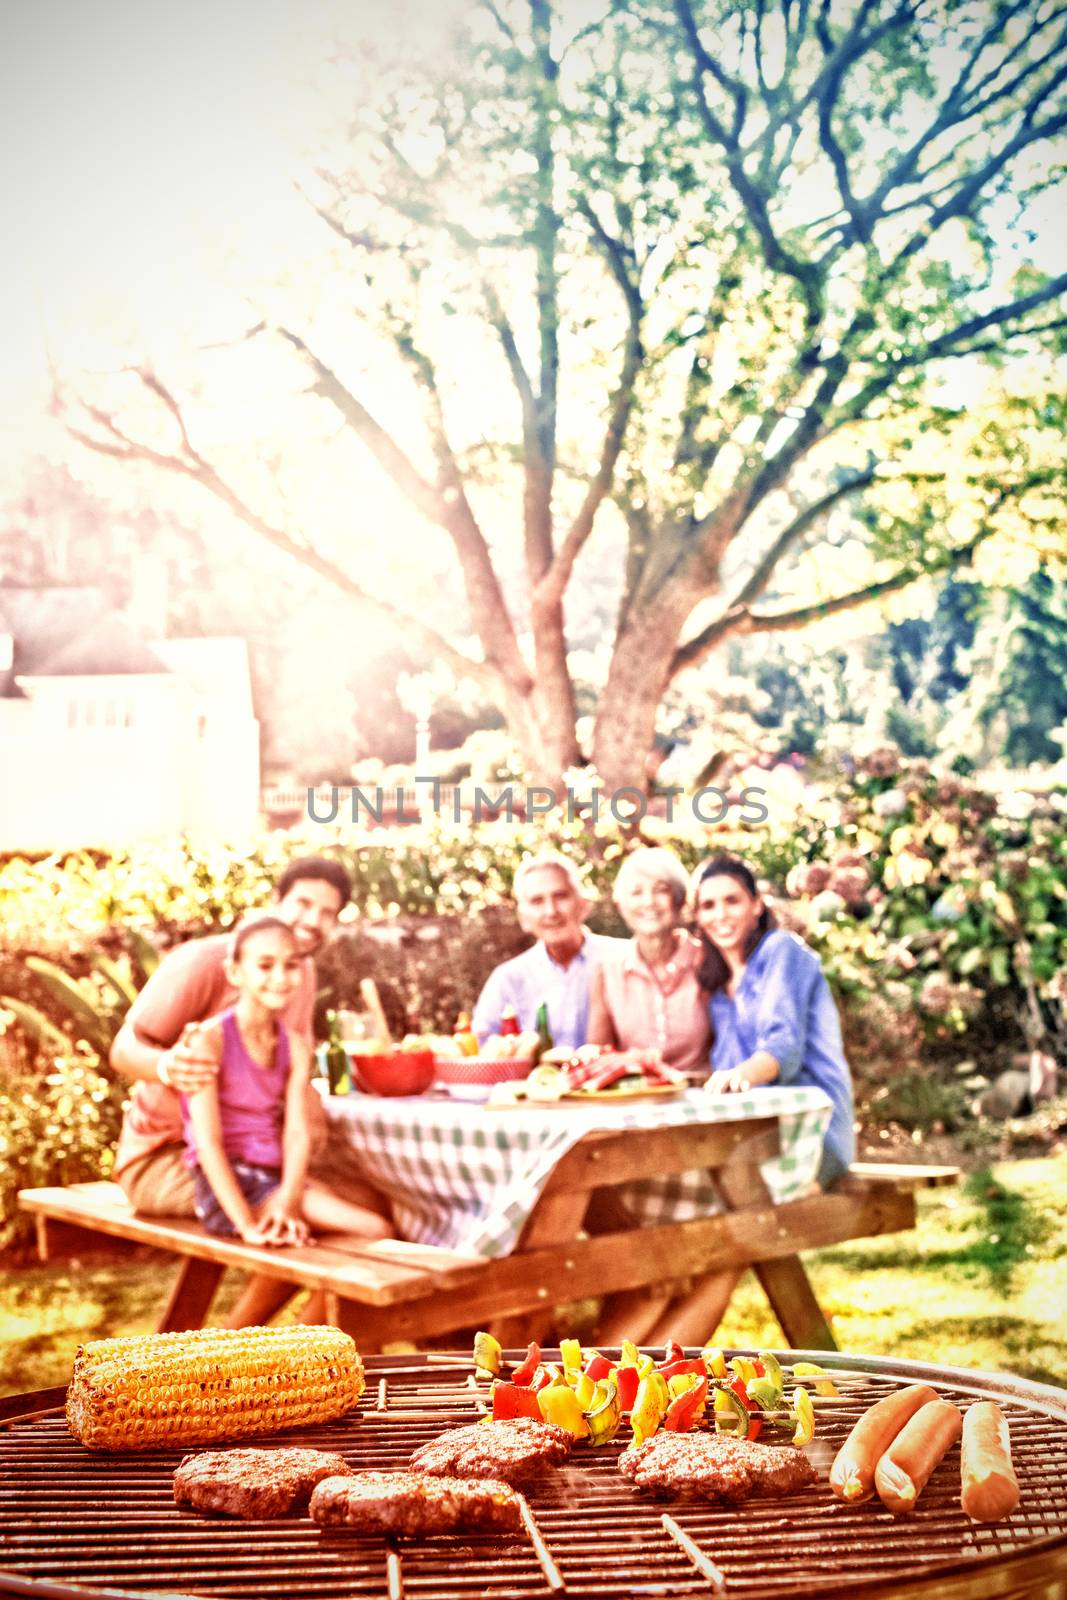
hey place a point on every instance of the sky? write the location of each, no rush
(141, 145)
(147, 155)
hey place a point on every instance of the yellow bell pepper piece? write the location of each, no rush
(487, 1355)
(629, 1354)
(681, 1383)
(605, 1413)
(805, 1415)
(714, 1360)
(570, 1354)
(811, 1369)
(745, 1368)
(649, 1408)
(645, 1365)
(560, 1405)
(583, 1386)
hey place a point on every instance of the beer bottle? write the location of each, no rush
(544, 1032)
(337, 1064)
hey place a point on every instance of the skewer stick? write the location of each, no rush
(553, 1576)
(479, 1403)
(381, 1395)
(397, 1413)
(449, 1361)
(394, 1574)
(704, 1564)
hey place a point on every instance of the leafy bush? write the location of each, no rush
(938, 911)
(58, 1126)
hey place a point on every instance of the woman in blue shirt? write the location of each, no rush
(771, 1007)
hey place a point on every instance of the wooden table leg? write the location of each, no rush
(515, 1333)
(785, 1281)
(350, 1317)
(191, 1295)
(792, 1298)
(555, 1220)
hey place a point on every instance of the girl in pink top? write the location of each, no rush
(247, 1135)
(645, 994)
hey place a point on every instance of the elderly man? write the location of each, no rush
(552, 905)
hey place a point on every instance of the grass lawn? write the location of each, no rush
(981, 1283)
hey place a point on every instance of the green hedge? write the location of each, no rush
(940, 915)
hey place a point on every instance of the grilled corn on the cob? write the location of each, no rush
(175, 1389)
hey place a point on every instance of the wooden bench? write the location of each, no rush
(392, 1290)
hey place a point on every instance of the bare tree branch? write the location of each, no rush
(806, 274)
(554, 583)
(742, 620)
(422, 494)
(761, 574)
(191, 465)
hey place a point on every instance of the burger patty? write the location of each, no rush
(253, 1483)
(414, 1504)
(512, 1451)
(715, 1467)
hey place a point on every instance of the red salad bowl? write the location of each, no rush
(400, 1072)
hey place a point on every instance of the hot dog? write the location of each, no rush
(990, 1489)
(901, 1475)
(852, 1474)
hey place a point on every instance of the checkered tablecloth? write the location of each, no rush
(466, 1178)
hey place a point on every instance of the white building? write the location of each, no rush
(108, 737)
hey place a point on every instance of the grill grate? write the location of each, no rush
(72, 1523)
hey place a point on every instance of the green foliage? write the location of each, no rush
(93, 1007)
(57, 1126)
(938, 912)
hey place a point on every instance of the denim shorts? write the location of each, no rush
(255, 1183)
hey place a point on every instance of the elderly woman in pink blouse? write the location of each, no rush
(646, 993)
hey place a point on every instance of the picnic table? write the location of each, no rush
(575, 1200)
(506, 1214)
(467, 1176)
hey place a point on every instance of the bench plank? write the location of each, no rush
(905, 1175)
(373, 1274)
(641, 1258)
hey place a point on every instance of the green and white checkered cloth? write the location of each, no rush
(466, 1178)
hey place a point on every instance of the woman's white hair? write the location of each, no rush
(653, 862)
(551, 858)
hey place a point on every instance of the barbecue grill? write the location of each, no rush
(77, 1526)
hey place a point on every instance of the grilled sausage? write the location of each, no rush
(990, 1489)
(902, 1473)
(852, 1474)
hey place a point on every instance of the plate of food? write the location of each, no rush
(595, 1074)
(628, 1089)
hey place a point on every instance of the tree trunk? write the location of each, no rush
(637, 680)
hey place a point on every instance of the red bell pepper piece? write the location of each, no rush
(675, 1367)
(682, 1410)
(626, 1381)
(672, 1353)
(523, 1373)
(512, 1400)
(598, 1367)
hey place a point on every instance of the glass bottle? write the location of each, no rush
(466, 1040)
(544, 1032)
(338, 1067)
